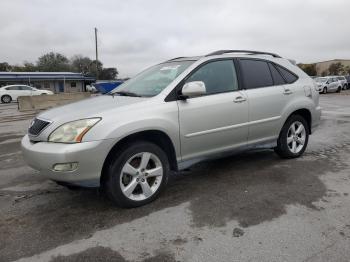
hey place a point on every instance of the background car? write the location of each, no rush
(348, 81)
(328, 84)
(343, 81)
(12, 92)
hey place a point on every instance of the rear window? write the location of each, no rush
(287, 75)
(256, 73)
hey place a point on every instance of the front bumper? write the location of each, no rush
(90, 157)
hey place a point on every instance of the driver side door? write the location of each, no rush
(216, 121)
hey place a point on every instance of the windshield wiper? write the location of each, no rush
(126, 93)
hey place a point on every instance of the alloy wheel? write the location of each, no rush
(296, 137)
(141, 176)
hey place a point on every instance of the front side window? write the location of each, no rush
(152, 81)
(218, 76)
(256, 73)
(25, 88)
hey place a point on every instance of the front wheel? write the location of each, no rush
(293, 137)
(324, 91)
(137, 174)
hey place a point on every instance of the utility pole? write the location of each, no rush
(96, 53)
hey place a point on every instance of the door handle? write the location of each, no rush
(287, 91)
(239, 99)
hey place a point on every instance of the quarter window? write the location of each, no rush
(256, 73)
(276, 76)
(289, 76)
(218, 76)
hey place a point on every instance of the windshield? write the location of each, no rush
(321, 79)
(153, 80)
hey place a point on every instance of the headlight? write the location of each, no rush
(73, 132)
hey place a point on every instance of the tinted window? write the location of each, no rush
(25, 88)
(289, 76)
(277, 78)
(12, 88)
(218, 76)
(256, 73)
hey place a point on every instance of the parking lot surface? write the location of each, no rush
(249, 207)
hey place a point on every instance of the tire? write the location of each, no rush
(339, 89)
(285, 149)
(119, 185)
(324, 90)
(6, 99)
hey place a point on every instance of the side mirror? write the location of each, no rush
(193, 89)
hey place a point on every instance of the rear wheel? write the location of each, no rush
(6, 99)
(339, 89)
(293, 138)
(137, 175)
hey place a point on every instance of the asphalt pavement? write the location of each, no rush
(248, 207)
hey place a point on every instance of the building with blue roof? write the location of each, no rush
(55, 81)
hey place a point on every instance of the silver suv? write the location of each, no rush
(172, 115)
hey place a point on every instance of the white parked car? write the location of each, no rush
(328, 84)
(12, 92)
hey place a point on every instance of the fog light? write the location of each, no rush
(65, 167)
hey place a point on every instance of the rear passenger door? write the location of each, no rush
(268, 92)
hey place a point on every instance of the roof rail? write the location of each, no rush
(221, 52)
(176, 58)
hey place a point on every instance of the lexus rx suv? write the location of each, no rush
(172, 115)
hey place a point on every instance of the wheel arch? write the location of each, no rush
(160, 138)
(306, 114)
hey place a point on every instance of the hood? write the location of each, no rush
(91, 107)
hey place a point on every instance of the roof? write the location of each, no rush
(43, 76)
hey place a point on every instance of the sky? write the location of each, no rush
(136, 34)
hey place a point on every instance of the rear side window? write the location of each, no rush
(277, 77)
(256, 73)
(12, 88)
(288, 76)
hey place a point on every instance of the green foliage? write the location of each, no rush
(5, 67)
(336, 68)
(53, 62)
(56, 62)
(309, 69)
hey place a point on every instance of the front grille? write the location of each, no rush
(37, 126)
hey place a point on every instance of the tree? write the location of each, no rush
(80, 64)
(108, 73)
(335, 68)
(93, 68)
(309, 69)
(346, 70)
(53, 62)
(5, 67)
